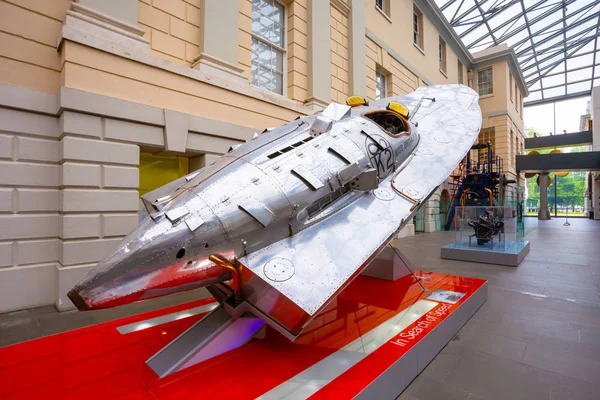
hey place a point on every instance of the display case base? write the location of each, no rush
(370, 342)
(512, 256)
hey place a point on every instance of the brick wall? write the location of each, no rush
(245, 37)
(339, 55)
(28, 33)
(99, 199)
(68, 184)
(172, 27)
(29, 207)
(297, 54)
(400, 79)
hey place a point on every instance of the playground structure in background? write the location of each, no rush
(478, 181)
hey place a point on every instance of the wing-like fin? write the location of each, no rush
(321, 260)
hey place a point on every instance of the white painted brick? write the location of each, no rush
(119, 224)
(5, 254)
(28, 226)
(33, 149)
(28, 174)
(202, 161)
(406, 231)
(132, 132)
(73, 148)
(99, 200)
(121, 177)
(26, 287)
(6, 195)
(66, 278)
(80, 226)
(212, 144)
(6, 146)
(30, 123)
(75, 174)
(37, 200)
(37, 251)
(80, 124)
(429, 226)
(87, 251)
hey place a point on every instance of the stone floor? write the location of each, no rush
(538, 334)
(536, 337)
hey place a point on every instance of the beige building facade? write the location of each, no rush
(92, 88)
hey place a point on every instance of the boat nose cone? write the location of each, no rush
(154, 260)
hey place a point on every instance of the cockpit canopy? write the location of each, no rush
(390, 121)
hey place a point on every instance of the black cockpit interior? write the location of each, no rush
(393, 123)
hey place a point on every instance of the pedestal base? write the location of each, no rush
(512, 256)
(369, 343)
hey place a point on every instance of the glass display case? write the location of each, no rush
(525, 223)
(487, 228)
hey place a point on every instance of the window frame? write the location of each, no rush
(283, 50)
(491, 93)
(419, 43)
(460, 67)
(384, 76)
(442, 56)
(510, 84)
(521, 106)
(384, 9)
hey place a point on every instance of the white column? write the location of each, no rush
(358, 57)
(219, 24)
(112, 22)
(319, 57)
(543, 213)
(122, 10)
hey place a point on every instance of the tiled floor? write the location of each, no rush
(537, 336)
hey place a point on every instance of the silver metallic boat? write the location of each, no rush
(278, 226)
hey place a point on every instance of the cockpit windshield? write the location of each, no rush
(390, 121)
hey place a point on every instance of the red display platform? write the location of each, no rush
(373, 326)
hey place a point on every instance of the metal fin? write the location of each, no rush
(320, 125)
(192, 176)
(177, 213)
(308, 177)
(156, 215)
(336, 111)
(374, 139)
(194, 222)
(258, 211)
(341, 152)
(367, 180)
(232, 148)
(349, 173)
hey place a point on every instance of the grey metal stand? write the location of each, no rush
(389, 265)
(216, 333)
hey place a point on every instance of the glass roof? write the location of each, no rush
(556, 42)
